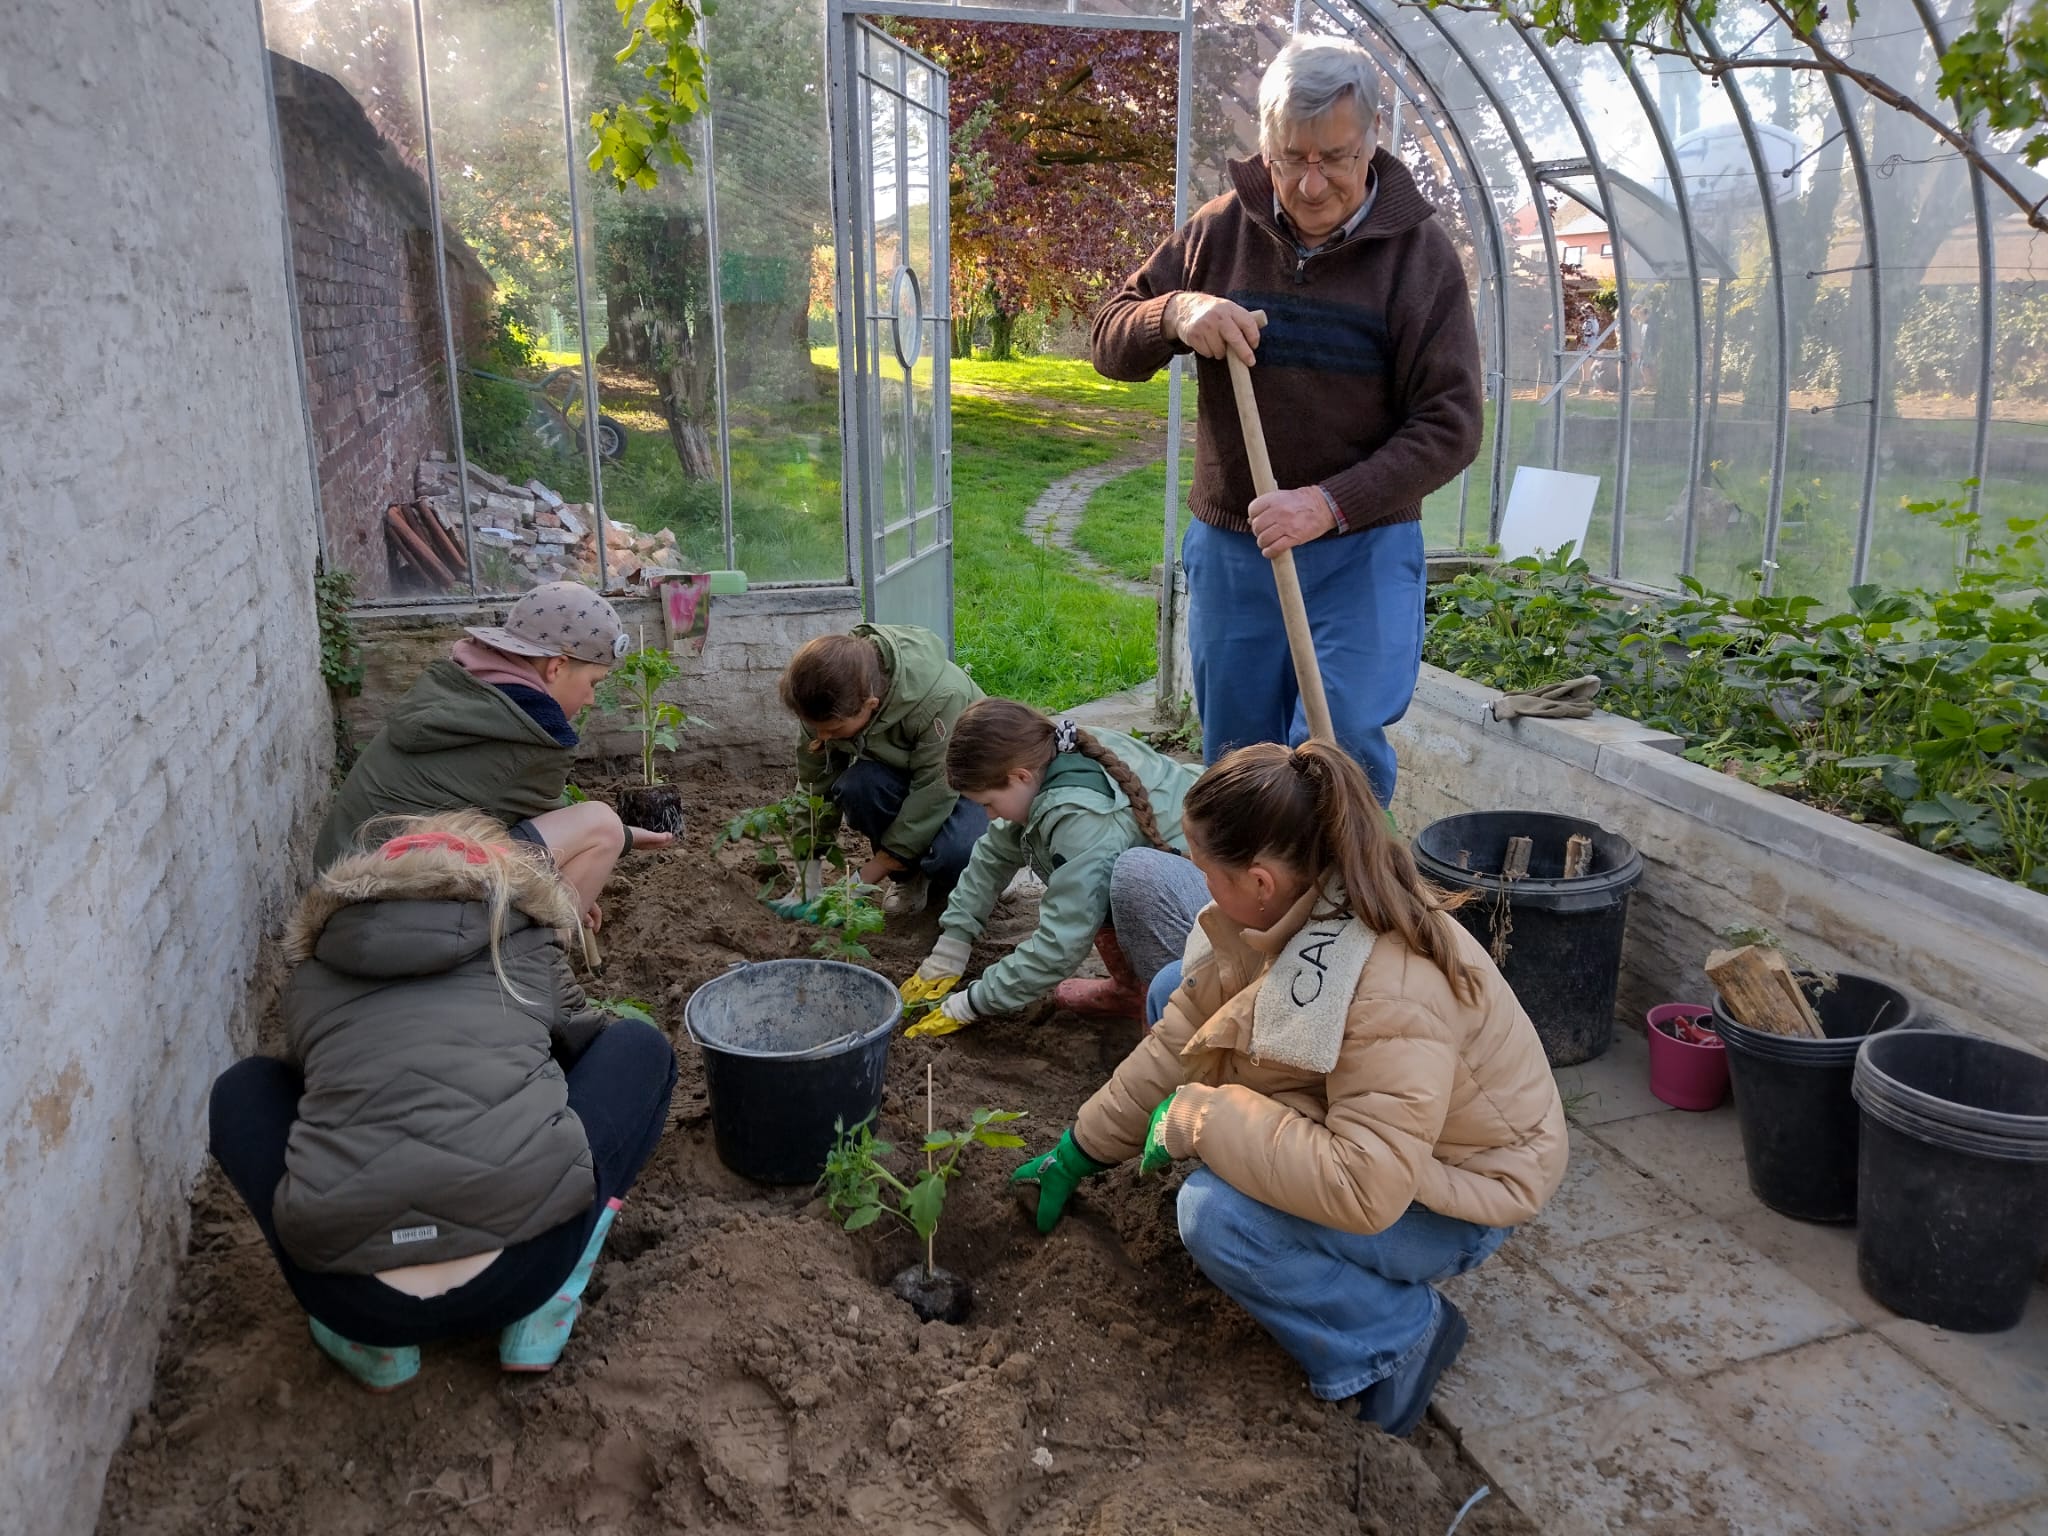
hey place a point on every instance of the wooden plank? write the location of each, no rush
(1578, 857)
(1761, 991)
(1514, 864)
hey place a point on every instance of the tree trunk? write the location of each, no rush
(963, 334)
(1002, 328)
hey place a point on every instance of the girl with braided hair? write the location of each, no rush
(1096, 815)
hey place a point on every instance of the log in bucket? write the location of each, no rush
(793, 1049)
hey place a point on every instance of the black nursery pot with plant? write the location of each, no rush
(632, 687)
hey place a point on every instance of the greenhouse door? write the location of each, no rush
(895, 323)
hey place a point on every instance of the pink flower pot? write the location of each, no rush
(1684, 1075)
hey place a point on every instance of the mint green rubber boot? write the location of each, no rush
(378, 1369)
(536, 1341)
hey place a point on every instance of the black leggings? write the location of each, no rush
(619, 1088)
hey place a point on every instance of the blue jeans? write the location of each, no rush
(871, 795)
(1162, 989)
(1364, 595)
(1351, 1309)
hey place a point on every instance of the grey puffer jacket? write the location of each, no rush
(435, 1122)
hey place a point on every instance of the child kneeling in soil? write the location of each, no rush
(1371, 1107)
(420, 1163)
(489, 728)
(876, 708)
(1097, 817)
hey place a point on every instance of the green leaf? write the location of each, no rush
(922, 1205)
(866, 1216)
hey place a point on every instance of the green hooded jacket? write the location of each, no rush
(452, 743)
(435, 1122)
(1076, 831)
(924, 696)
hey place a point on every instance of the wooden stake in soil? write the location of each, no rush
(931, 1241)
(1578, 856)
(1761, 991)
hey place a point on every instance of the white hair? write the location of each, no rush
(1311, 75)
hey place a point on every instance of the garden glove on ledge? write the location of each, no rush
(1057, 1174)
(1571, 699)
(940, 972)
(954, 1012)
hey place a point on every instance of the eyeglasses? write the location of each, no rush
(1294, 167)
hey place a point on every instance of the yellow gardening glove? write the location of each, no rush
(939, 974)
(954, 1013)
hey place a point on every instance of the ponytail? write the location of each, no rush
(993, 738)
(1312, 809)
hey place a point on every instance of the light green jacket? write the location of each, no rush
(1071, 839)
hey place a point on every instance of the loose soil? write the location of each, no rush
(740, 1365)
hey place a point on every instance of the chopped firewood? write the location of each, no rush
(1762, 992)
(1578, 856)
(1514, 864)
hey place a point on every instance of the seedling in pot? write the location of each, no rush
(631, 688)
(860, 1189)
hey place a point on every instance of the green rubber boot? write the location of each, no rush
(379, 1370)
(536, 1341)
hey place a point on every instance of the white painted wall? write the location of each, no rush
(163, 732)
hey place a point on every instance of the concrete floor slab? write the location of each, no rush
(1691, 1298)
(1821, 1255)
(1612, 1086)
(1643, 1463)
(1698, 1155)
(1877, 1443)
(1601, 1197)
(2005, 1374)
(1533, 1350)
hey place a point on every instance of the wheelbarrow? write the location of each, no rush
(557, 417)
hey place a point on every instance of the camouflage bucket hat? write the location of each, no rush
(563, 618)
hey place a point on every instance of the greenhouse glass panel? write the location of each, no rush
(352, 140)
(773, 177)
(2016, 462)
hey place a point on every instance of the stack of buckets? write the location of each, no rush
(1934, 1143)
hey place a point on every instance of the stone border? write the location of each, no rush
(1972, 948)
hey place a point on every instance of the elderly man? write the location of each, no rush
(1368, 382)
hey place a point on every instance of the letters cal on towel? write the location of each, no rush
(1298, 1019)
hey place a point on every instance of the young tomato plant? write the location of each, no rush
(793, 831)
(631, 687)
(860, 1189)
(848, 914)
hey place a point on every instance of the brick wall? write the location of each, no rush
(369, 313)
(164, 734)
(731, 686)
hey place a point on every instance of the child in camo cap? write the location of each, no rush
(489, 728)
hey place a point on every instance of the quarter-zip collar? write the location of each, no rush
(1394, 206)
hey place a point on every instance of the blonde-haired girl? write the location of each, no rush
(443, 1147)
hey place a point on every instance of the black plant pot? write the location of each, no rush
(658, 808)
(939, 1296)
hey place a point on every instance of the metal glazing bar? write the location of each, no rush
(590, 446)
(1171, 685)
(1781, 411)
(1543, 223)
(903, 255)
(846, 113)
(1987, 284)
(419, 34)
(1852, 140)
(1688, 548)
(942, 309)
(713, 253)
(1616, 226)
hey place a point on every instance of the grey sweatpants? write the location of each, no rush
(1153, 899)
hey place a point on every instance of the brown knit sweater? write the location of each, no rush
(1368, 370)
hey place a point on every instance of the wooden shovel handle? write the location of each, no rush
(1308, 675)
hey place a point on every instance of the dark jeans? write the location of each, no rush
(871, 795)
(619, 1088)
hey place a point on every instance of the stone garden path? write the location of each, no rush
(1057, 513)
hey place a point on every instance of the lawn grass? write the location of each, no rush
(1123, 525)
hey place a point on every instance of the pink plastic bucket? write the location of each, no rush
(1684, 1075)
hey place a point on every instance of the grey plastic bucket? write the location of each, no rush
(792, 1050)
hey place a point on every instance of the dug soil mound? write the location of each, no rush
(740, 1365)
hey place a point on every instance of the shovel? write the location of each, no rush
(1308, 676)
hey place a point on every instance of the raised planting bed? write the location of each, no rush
(741, 1365)
(1721, 854)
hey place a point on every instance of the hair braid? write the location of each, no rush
(1133, 787)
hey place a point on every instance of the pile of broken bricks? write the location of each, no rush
(539, 532)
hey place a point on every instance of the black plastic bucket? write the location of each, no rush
(1952, 1214)
(1561, 938)
(792, 1049)
(1792, 1098)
